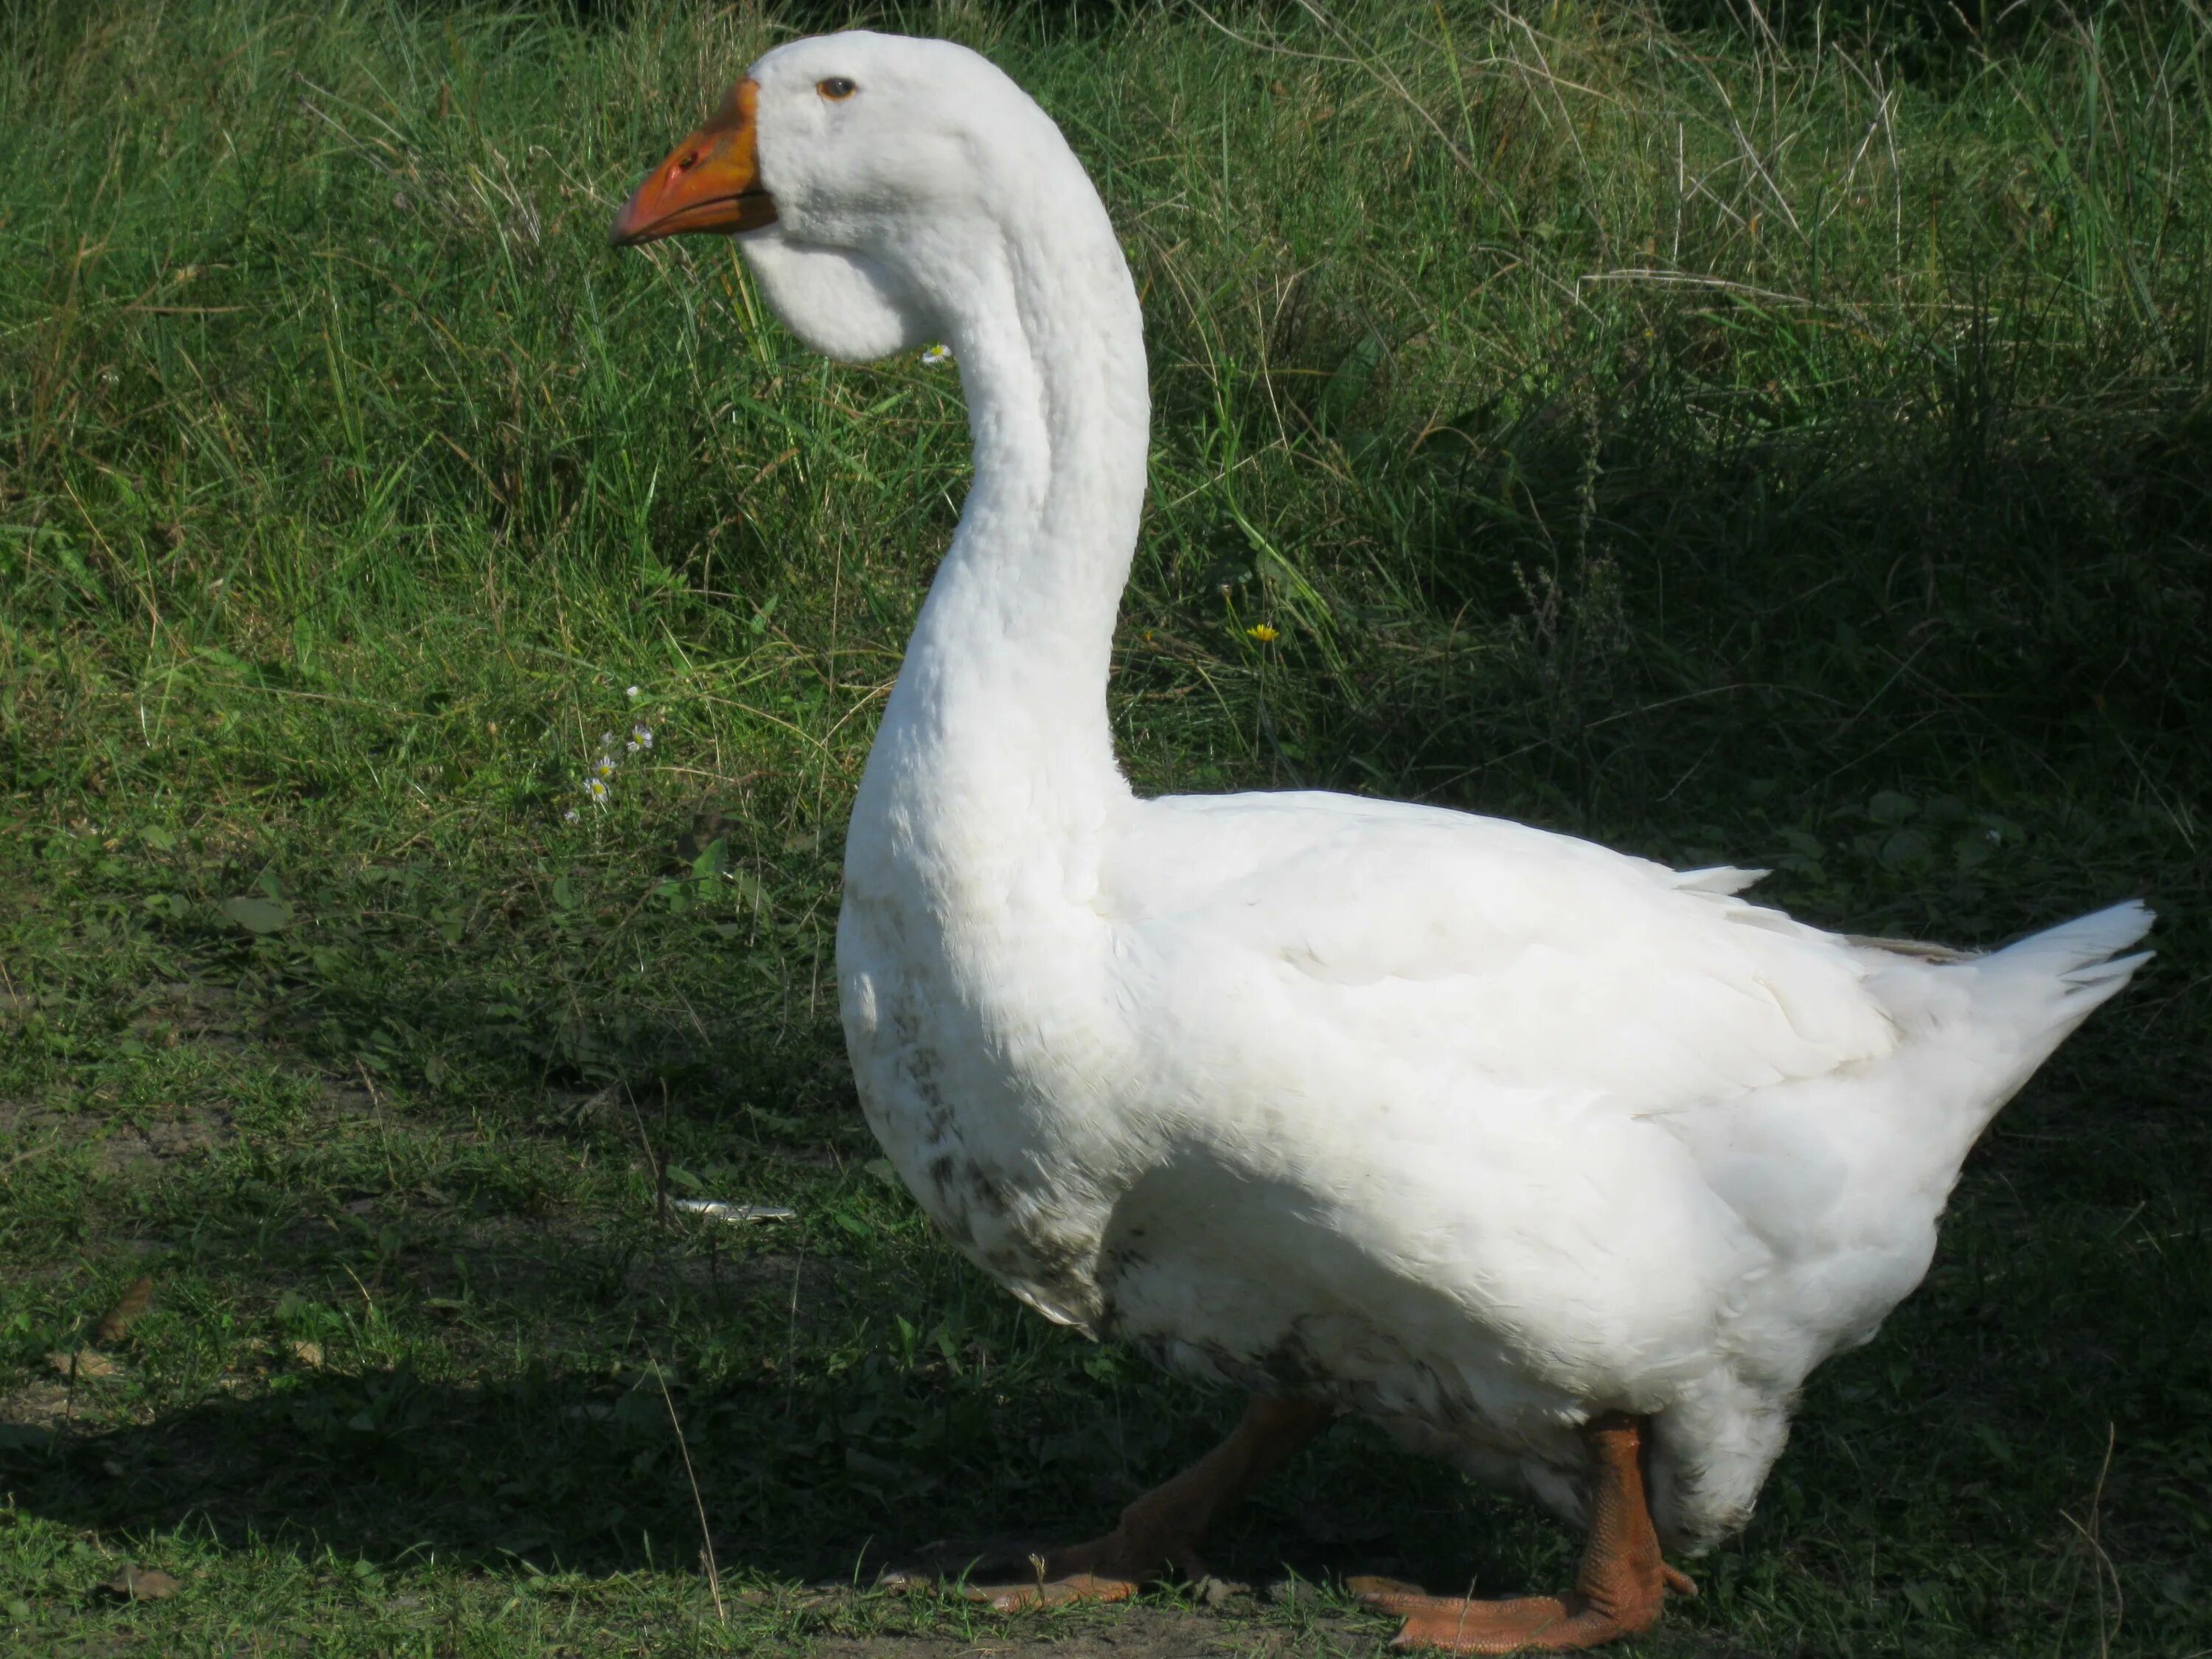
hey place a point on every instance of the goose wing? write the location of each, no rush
(1509, 956)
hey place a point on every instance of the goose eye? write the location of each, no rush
(836, 88)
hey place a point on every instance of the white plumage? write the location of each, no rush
(1477, 1130)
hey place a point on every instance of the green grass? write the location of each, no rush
(1788, 447)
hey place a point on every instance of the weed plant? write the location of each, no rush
(1782, 437)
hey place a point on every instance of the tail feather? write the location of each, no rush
(2046, 985)
(2113, 973)
(1977, 1030)
(2083, 954)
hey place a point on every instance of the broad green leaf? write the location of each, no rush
(258, 915)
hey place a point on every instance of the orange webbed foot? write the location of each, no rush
(1011, 1582)
(1157, 1537)
(1619, 1592)
(1524, 1624)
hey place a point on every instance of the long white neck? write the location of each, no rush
(996, 760)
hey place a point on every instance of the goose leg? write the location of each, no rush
(1618, 1592)
(1160, 1531)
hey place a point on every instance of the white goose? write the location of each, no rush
(1564, 1165)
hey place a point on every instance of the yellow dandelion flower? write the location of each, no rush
(1263, 632)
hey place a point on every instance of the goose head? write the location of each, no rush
(868, 179)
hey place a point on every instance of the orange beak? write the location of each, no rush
(710, 182)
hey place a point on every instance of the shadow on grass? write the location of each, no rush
(1714, 617)
(568, 1472)
(2048, 1370)
(1949, 1466)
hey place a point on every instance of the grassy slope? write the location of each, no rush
(1760, 451)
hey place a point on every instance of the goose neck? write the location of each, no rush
(1002, 692)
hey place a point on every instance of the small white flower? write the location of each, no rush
(932, 355)
(633, 745)
(606, 739)
(603, 767)
(632, 694)
(570, 815)
(640, 736)
(597, 789)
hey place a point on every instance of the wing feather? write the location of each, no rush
(1501, 953)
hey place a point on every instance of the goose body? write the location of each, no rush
(1482, 1132)
(1467, 1127)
